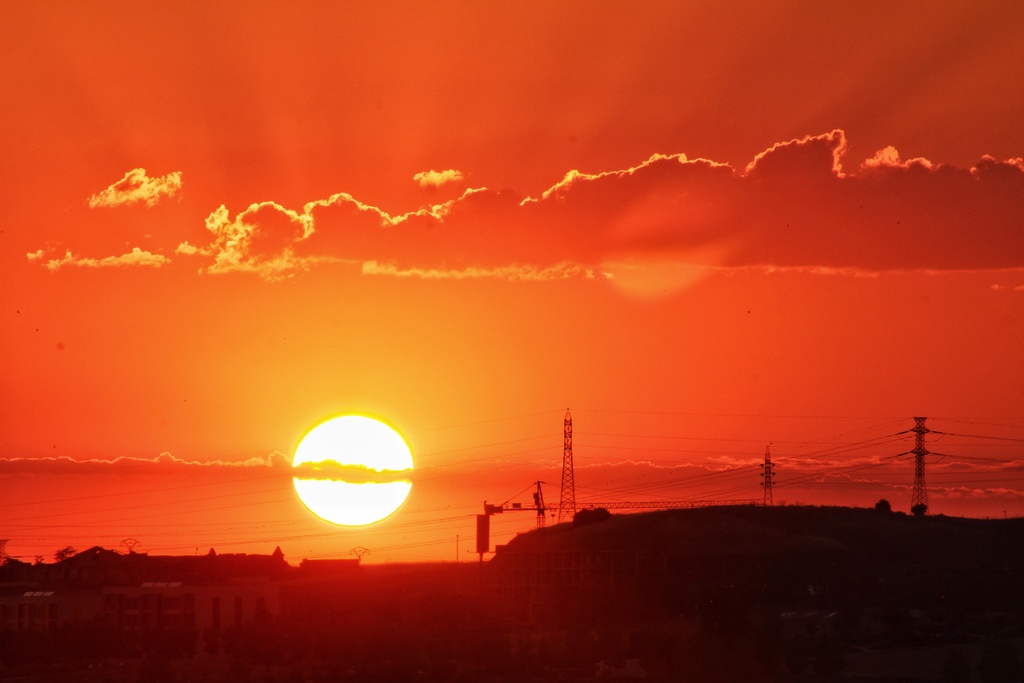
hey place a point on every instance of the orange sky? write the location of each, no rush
(703, 227)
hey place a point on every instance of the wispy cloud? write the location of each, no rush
(137, 187)
(629, 462)
(962, 492)
(560, 271)
(275, 460)
(353, 474)
(1008, 288)
(134, 258)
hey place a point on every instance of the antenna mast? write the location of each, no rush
(567, 503)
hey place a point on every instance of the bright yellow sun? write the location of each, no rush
(352, 470)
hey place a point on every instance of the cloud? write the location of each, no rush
(64, 464)
(961, 492)
(353, 474)
(274, 242)
(137, 187)
(135, 258)
(820, 155)
(889, 157)
(629, 462)
(434, 178)
(823, 270)
(799, 206)
(1009, 288)
(561, 271)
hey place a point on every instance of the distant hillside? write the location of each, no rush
(775, 593)
(773, 530)
(788, 555)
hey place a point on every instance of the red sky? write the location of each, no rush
(703, 227)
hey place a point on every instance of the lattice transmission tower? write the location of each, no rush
(769, 476)
(919, 500)
(567, 503)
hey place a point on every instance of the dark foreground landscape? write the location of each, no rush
(716, 594)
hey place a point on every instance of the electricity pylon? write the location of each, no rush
(919, 500)
(769, 476)
(567, 503)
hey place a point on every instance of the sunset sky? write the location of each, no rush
(704, 227)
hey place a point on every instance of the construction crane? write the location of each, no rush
(483, 522)
(538, 506)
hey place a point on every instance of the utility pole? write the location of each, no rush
(567, 502)
(919, 500)
(769, 476)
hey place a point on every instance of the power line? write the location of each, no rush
(979, 436)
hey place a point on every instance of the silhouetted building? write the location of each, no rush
(137, 591)
(163, 605)
(328, 568)
(545, 583)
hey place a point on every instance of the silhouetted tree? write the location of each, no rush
(883, 506)
(64, 553)
(919, 510)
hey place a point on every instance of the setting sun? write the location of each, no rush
(349, 470)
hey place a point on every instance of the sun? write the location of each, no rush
(352, 470)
